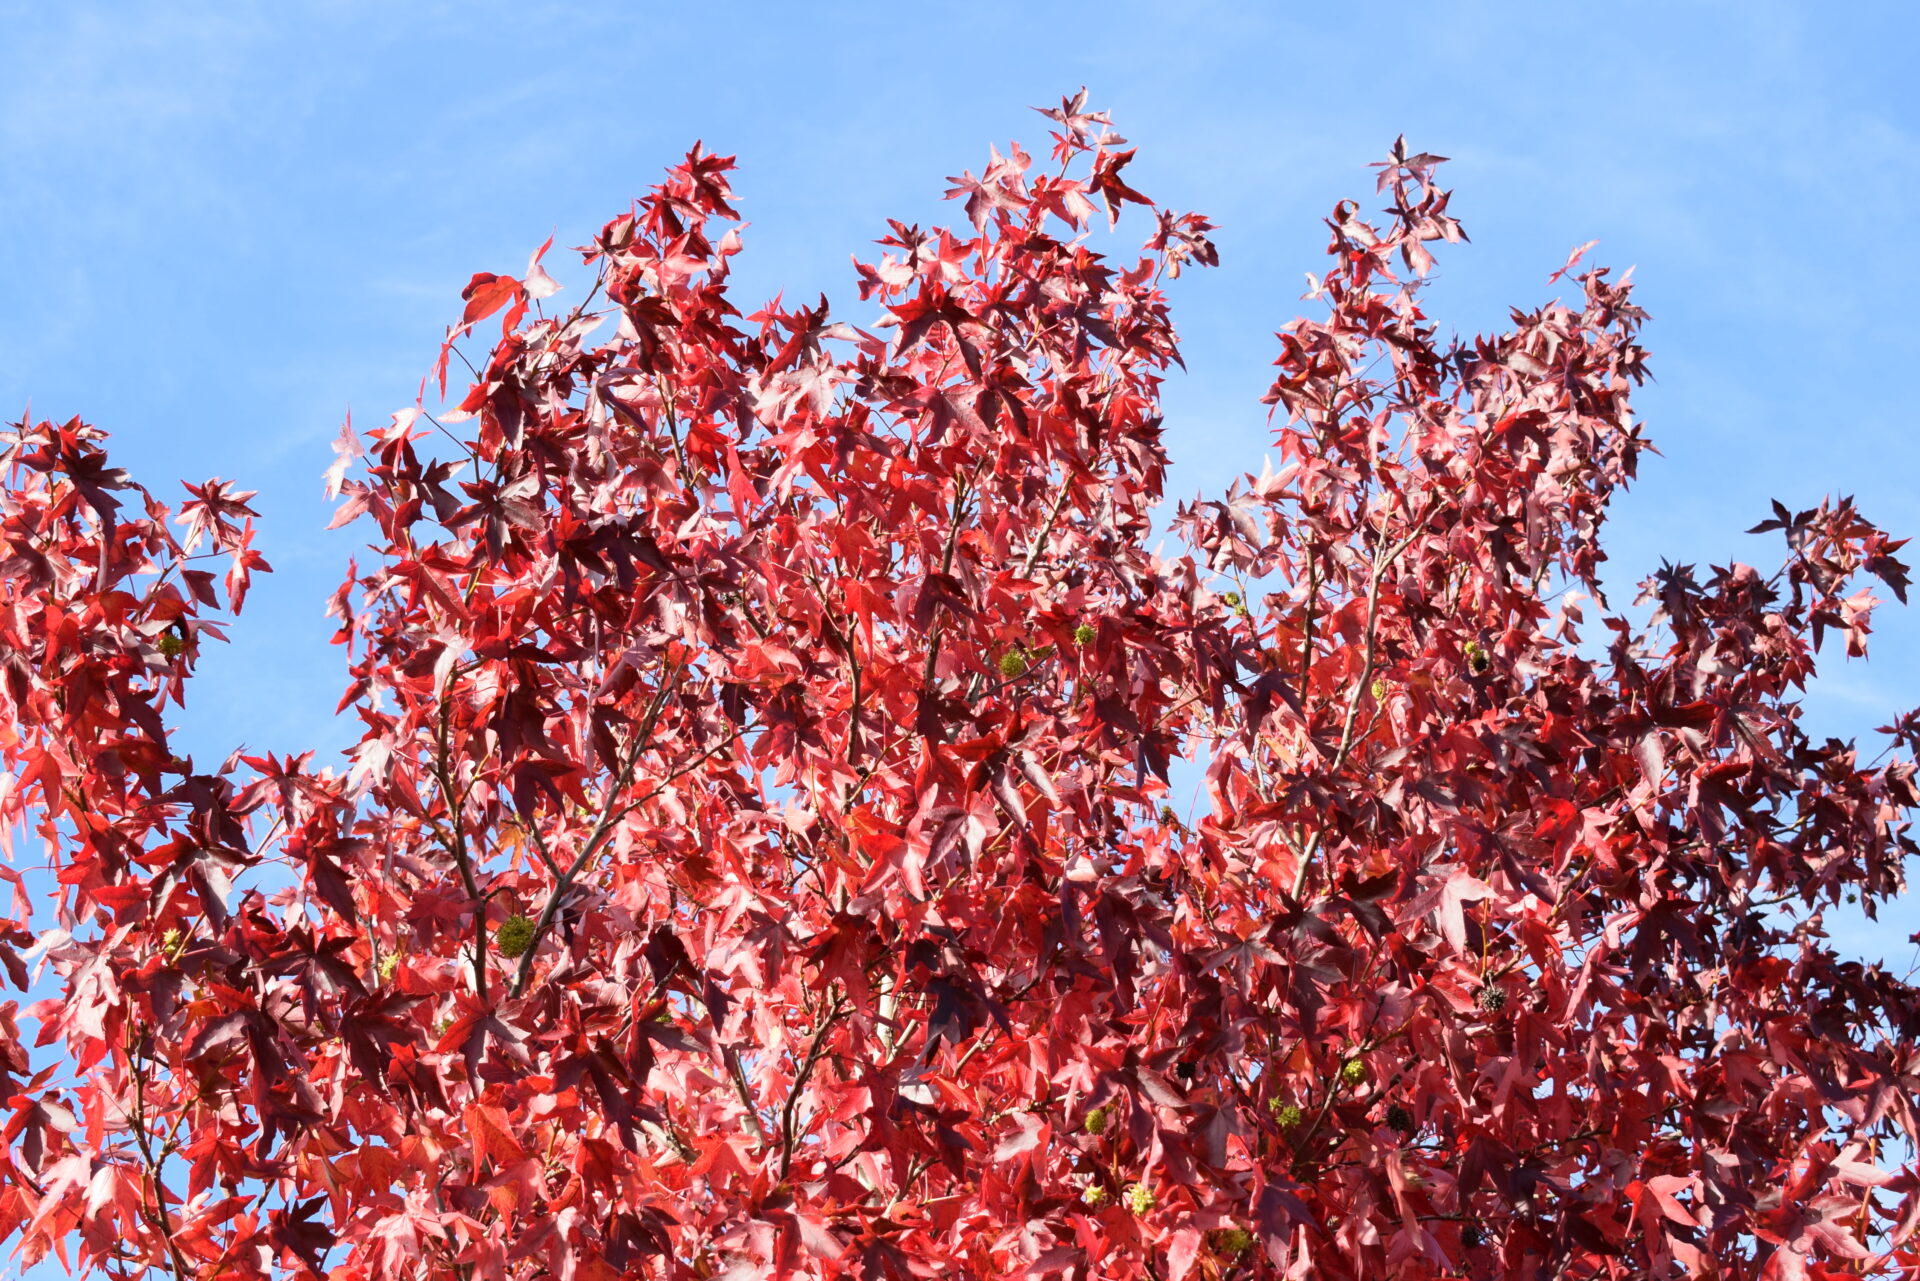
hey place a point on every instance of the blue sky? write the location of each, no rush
(225, 225)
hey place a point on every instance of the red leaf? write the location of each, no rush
(487, 293)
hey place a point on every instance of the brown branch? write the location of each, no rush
(800, 1080)
(564, 882)
(946, 568)
(1380, 566)
(457, 847)
(1306, 636)
(540, 847)
(595, 843)
(176, 1262)
(1046, 530)
(732, 1056)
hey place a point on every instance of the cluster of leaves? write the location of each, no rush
(756, 859)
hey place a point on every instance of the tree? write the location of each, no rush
(757, 858)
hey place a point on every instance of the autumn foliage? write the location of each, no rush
(759, 860)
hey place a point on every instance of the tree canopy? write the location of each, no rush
(758, 857)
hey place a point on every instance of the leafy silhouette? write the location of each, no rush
(757, 859)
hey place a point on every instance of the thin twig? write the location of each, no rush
(1046, 530)
(176, 1263)
(1360, 686)
(564, 883)
(457, 847)
(732, 1056)
(800, 1081)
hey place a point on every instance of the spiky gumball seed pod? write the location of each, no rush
(1230, 1243)
(514, 937)
(1491, 997)
(1398, 1118)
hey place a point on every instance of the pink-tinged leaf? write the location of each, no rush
(818, 1239)
(1030, 1133)
(346, 448)
(1444, 896)
(1572, 258)
(1182, 1253)
(1664, 1189)
(537, 282)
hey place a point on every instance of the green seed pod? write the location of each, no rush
(1353, 1071)
(1013, 663)
(1231, 1243)
(1288, 1115)
(1084, 634)
(388, 964)
(1095, 1195)
(1096, 1122)
(514, 937)
(1379, 689)
(170, 645)
(1478, 660)
(1140, 1198)
(1233, 599)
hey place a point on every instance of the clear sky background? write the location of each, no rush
(227, 224)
